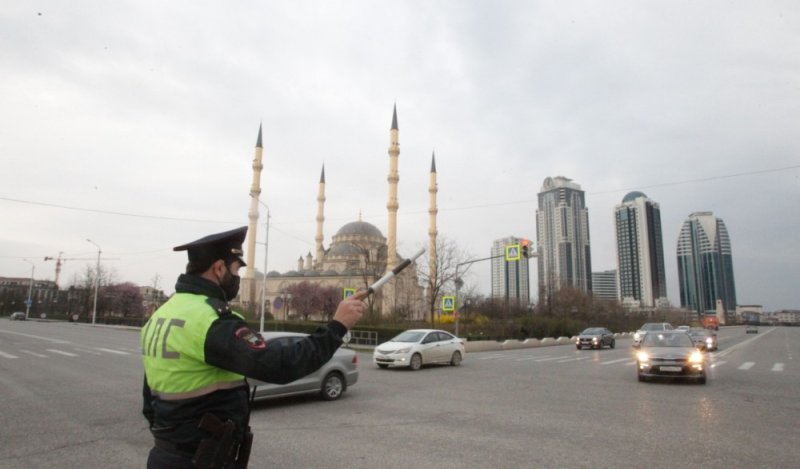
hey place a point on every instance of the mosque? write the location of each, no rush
(358, 253)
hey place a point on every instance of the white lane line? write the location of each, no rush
(747, 365)
(491, 357)
(630, 363)
(531, 358)
(85, 350)
(554, 358)
(614, 361)
(778, 367)
(7, 355)
(118, 352)
(34, 353)
(62, 352)
(719, 363)
(573, 359)
(55, 341)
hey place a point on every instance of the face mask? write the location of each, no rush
(229, 284)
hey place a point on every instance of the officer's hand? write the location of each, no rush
(350, 309)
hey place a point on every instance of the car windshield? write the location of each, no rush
(409, 336)
(698, 331)
(592, 331)
(667, 340)
(652, 327)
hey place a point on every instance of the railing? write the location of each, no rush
(369, 338)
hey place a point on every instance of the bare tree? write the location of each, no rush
(448, 257)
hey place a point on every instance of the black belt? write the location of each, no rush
(189, 448)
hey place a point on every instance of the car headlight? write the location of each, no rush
(696, 357)
(642, 356)
(403, 350)
(637, 336)
(709, 340)
(594, 339)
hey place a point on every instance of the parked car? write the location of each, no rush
(595, 337)
(670, 354)
(650, 327)
(17, 316)
(416, 347)
(751, 329)
(706, 339)
(330, 381)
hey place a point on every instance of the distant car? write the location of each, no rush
(670, 354)
(751, 329)
(330, 381)
(416, 347)
(650, 327)
(706, 339)
(595, 337)
(18, 316)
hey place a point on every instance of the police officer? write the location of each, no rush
(197, 353)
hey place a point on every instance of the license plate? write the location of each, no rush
(676, 369)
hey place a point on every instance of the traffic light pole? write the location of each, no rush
(458, 283)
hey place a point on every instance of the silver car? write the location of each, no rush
(416, 347)
(330, 381)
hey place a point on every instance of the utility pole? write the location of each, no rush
(30, 289)
(96, 280)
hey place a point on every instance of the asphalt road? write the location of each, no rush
(71, 397)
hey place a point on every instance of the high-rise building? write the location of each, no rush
(640, 252)
(705, 265)
(604, 285)
(510, 279)
(562, 228)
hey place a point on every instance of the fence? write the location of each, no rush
(368, 338)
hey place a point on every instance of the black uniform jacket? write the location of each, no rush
(230, 344)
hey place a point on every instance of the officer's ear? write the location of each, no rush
(218, 267)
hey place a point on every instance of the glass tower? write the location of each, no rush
(510, 279)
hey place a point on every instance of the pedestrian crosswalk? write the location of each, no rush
(70, 352)
(714, 362)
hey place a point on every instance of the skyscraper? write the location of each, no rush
(604, 285)
(640, 252)
(562, 228)
(510, 279)
(705, 264)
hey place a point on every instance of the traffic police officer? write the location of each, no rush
(197, 353)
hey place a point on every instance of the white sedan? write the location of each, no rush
(416, 347)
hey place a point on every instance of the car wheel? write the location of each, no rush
(613, 343)
(701, 380)
(642, 379)
(333, 386)
(455, 360)
(416, 362)
(383, 365)
(578, 347)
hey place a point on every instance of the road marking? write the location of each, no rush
(34, 353)
(85, 350)
(553, 358)
(747, 365)
(614, 361)
(112, 351)
(55, 341)
(573, 359)
(529, 358)
(716, 364)
(7, 355)
(61, 352)
(778, 367)
(630, 363)
(491, 357)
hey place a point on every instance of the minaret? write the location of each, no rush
(320, 219)
(393, 205)
(255, 191)
(433, 188)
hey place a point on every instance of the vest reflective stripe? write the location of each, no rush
(176, 396)
(173, 348)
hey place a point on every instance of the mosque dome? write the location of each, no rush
(631, 196)
(361, 228)
(345, 249)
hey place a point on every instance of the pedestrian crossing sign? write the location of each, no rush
(512, 252)
(448, 303)
(347, 292)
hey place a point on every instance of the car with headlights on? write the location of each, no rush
(416, 347)
(751, 329)
(650, 327)
(330, 381)
(705, 339)
(595, 337)
(670, 354)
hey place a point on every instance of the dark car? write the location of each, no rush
(670, 354)
(595, 337)
(18, 316)
(704, 339)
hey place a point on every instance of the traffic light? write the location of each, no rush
(525, 244)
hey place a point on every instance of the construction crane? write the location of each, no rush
(60, 261)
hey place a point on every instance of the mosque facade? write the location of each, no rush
(358, 255)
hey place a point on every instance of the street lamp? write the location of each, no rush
(266, 252)
(96, 280)
(30, 289)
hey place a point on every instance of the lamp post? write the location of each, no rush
(96, 280)
(30, 289)
(266, 253)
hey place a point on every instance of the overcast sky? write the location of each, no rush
(134, 124)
